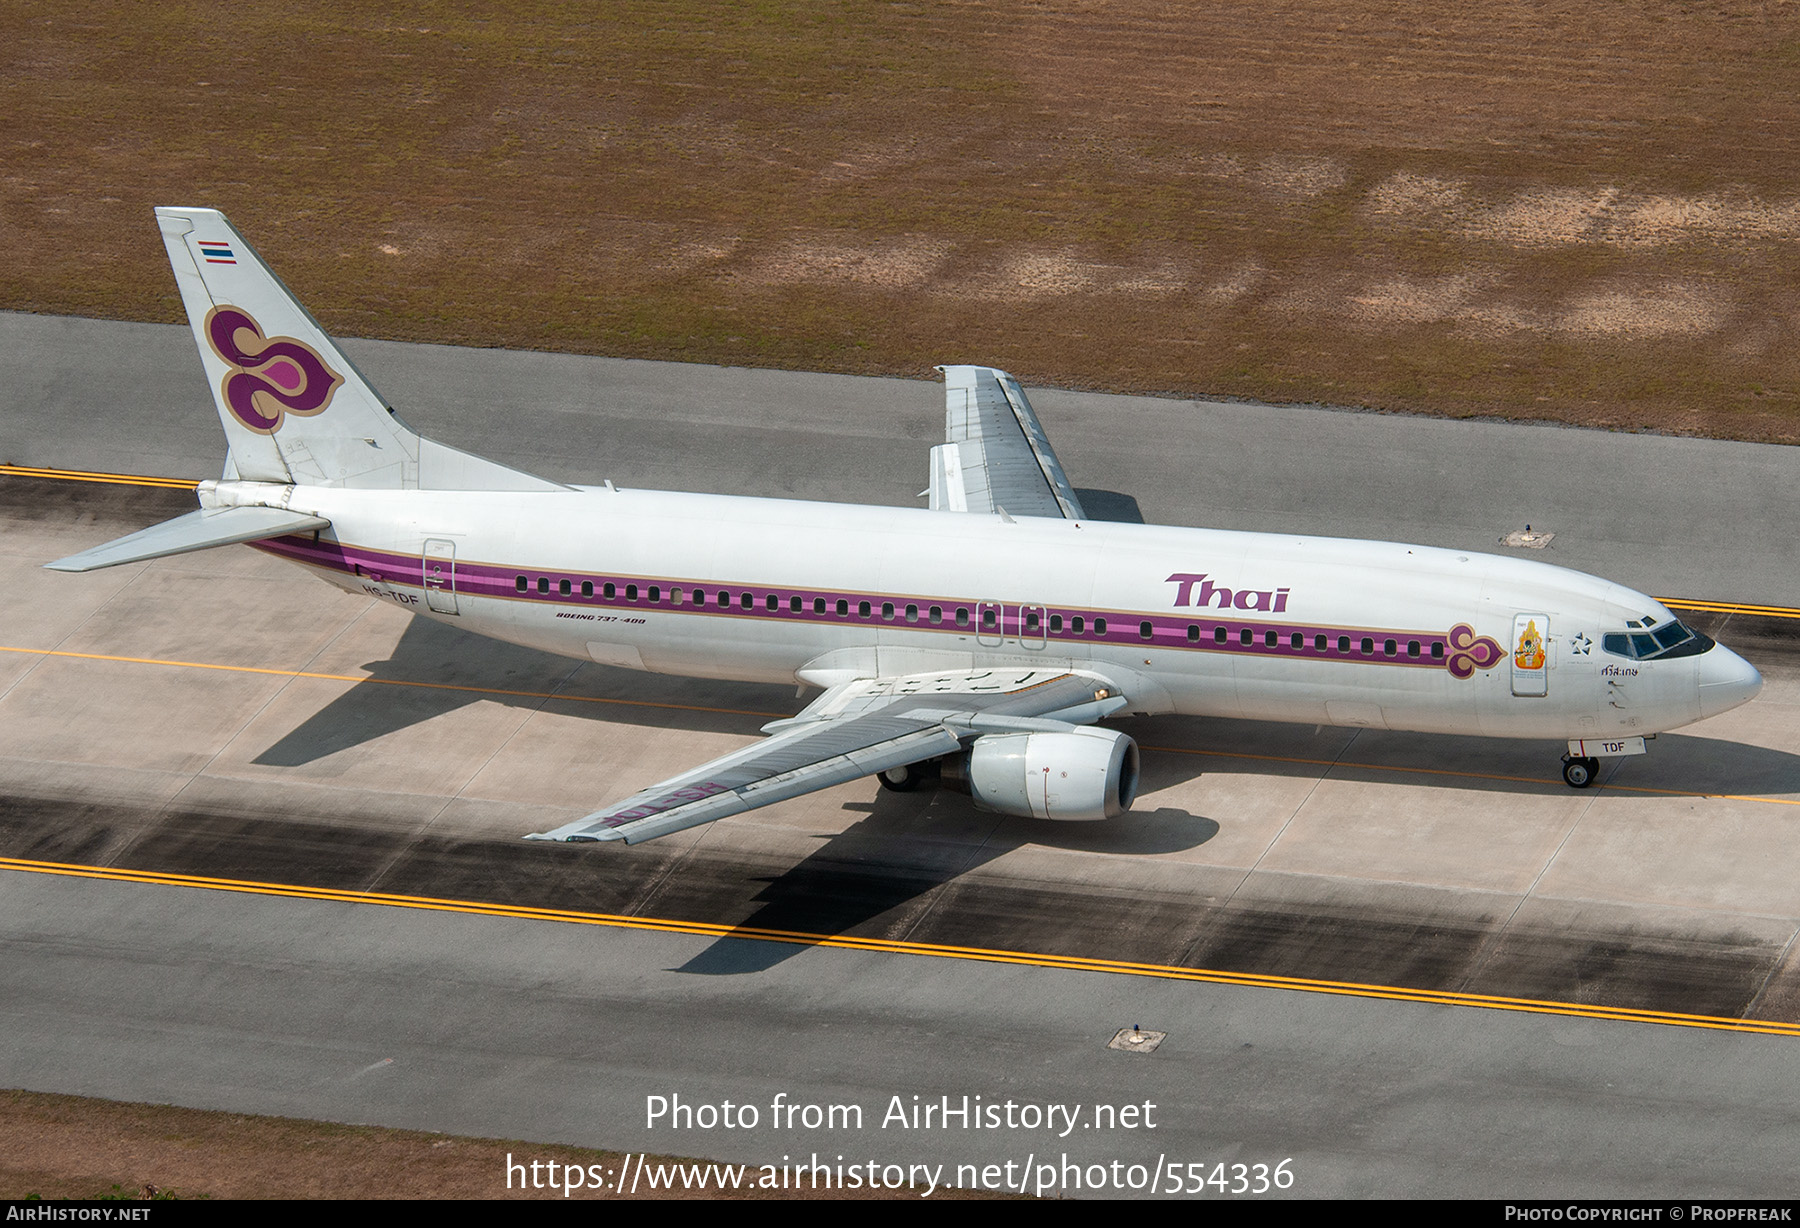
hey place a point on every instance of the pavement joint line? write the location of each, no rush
(127, 479)
(1069, 963)
(1288, 822)
(1652, 790)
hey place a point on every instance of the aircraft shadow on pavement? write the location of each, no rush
(1678, 762)
(882, 875)
(1110, 505)
(460, 670)
(435, 670)
(862, 882)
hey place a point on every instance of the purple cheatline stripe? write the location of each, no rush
(1460, 650)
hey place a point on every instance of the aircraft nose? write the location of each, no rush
(1726, 680)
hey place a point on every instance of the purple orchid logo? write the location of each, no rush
(1469, 652)
(270, 377)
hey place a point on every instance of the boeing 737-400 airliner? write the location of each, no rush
(983, 636)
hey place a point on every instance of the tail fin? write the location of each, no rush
(294, 407)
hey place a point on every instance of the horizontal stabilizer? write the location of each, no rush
(199, 530)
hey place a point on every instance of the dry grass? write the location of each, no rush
(1585, 209)
(74, 1147)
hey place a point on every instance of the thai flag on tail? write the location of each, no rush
(216, 253)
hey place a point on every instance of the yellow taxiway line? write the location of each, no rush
(82, 475)
(360, 678)
(1729, 607)
(888, 946)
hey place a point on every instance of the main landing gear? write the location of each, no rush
(903, 779)
(1579, 773)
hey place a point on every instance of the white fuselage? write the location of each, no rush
(1252, 625)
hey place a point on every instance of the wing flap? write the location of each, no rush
(661, 812)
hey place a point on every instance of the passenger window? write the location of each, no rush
(1193, 634)
(937, 615)
(1099, 626)
(1144, 631)
(724, 598)
(1343, 643)
(1078, 624)
(1321, 643)
(962, 616)
(1218, 635)
(609, 590)
(543, 584)
(587, 588)
(563, 588)
(747, 600)
(887, 610)
(989, 620)
(818, 605)
(631, 592)
(1269, 638)
(1412, 648)
(1246, 637)
(1390, 648)
(1368, 647)
(862, 609)
(699, 596)
(843, 608)
(1437, 650)
(655, 593)
(1297, 640)
(675, 596)
(523, 584)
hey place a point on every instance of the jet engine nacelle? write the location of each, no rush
(1083, 774)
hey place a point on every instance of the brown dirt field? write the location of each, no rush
(1576, 209)
(72, 1147)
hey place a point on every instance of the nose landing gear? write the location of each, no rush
(1578, 772)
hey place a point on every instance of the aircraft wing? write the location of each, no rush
(853, 730)
(997, 455)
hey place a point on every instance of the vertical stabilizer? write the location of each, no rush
(294, 407)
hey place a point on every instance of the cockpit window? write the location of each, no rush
(1672, 639)
(1671, 635)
